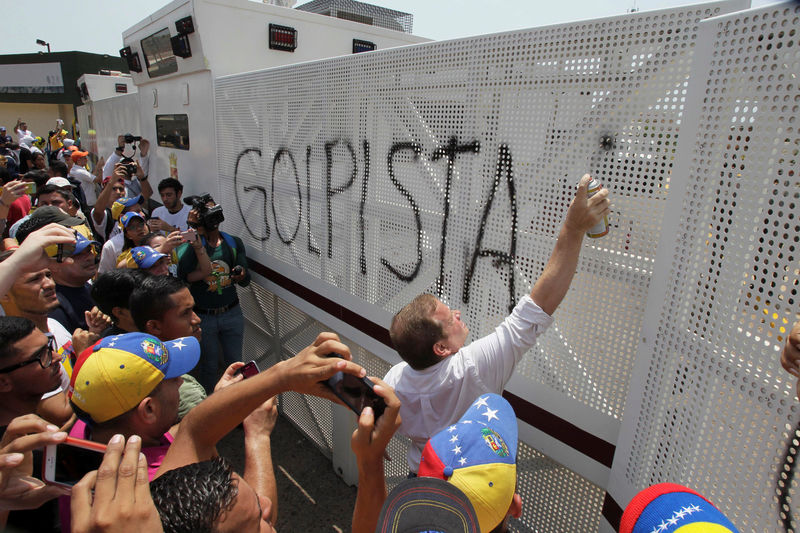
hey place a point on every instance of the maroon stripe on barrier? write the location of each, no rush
(566, 432)
(545, 421)
(612, 512)
(357, 321)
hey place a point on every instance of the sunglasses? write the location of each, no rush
(43, 356)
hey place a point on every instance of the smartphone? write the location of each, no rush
(189, 235)
(356, 393)
(249, 370)
(30, 187)
(60, 251)
(65, 464)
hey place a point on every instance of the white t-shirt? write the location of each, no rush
(22, 133)
(132, 187)
(63, 349)
(111, 249)
(101, 228)
(87, 183)
(437, 396)
(176, 220)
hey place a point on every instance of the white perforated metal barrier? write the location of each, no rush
(447, 168)
(709, 404)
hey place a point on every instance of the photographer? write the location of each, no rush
(216, 301)
(87, 180)
(136, 180)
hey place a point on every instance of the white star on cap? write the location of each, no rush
(696, 508)
(179, 344)
(110, 344)
(490, 414)
(481, 402)
(462, 461)
(457, 450)
(672, 521)
(454, 439)
(451, 429)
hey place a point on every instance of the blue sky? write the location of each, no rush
(97, 25)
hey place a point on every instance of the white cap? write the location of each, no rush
(59, 182)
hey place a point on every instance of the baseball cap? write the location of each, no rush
(145, 256)
(427, 504)
(77, 154)
(669, 507)
(478, 454)
(127, 217)
(50, 213)
(59, 182)
(81, 243)
(120, 205)
(113, 376)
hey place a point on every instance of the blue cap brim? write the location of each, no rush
(184, 353)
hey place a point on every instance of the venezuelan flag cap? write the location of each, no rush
(113, 376)
(145, 256)
(426, 504)
(120, 205)
(478, 454)
(671, 508)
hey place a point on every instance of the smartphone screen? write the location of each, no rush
(356, 393)
(67, 463)
(248, 370)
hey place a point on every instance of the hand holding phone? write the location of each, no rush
(61, 251)
(190, 235)
(65, 464)
(356, 393)
(121, 502)
(248, 370)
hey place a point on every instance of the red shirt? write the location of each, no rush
(19, 208)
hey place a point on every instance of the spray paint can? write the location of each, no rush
(601, 228)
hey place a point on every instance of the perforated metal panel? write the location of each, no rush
(448, 167)
(711, 406)
(362, 12)
(554, 497)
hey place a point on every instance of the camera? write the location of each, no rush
(130, 166)
(207, 217)
(130, 138)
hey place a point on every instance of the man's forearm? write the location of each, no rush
(213, 418)
(258, 469)
(370, 497)
(553, 284)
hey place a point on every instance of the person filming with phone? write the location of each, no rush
(216, 301)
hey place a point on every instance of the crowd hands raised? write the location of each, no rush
(117, 316)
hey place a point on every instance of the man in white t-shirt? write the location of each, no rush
(21, 129)
(87, 180)
(134, 184)
(442, 375)
(172, 215)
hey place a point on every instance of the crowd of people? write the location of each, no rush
(121, 325)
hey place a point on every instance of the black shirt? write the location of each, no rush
(73, 301)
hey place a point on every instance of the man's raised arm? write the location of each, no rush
(217, 415)
(583, 213)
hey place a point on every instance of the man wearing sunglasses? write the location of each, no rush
(28, 367)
